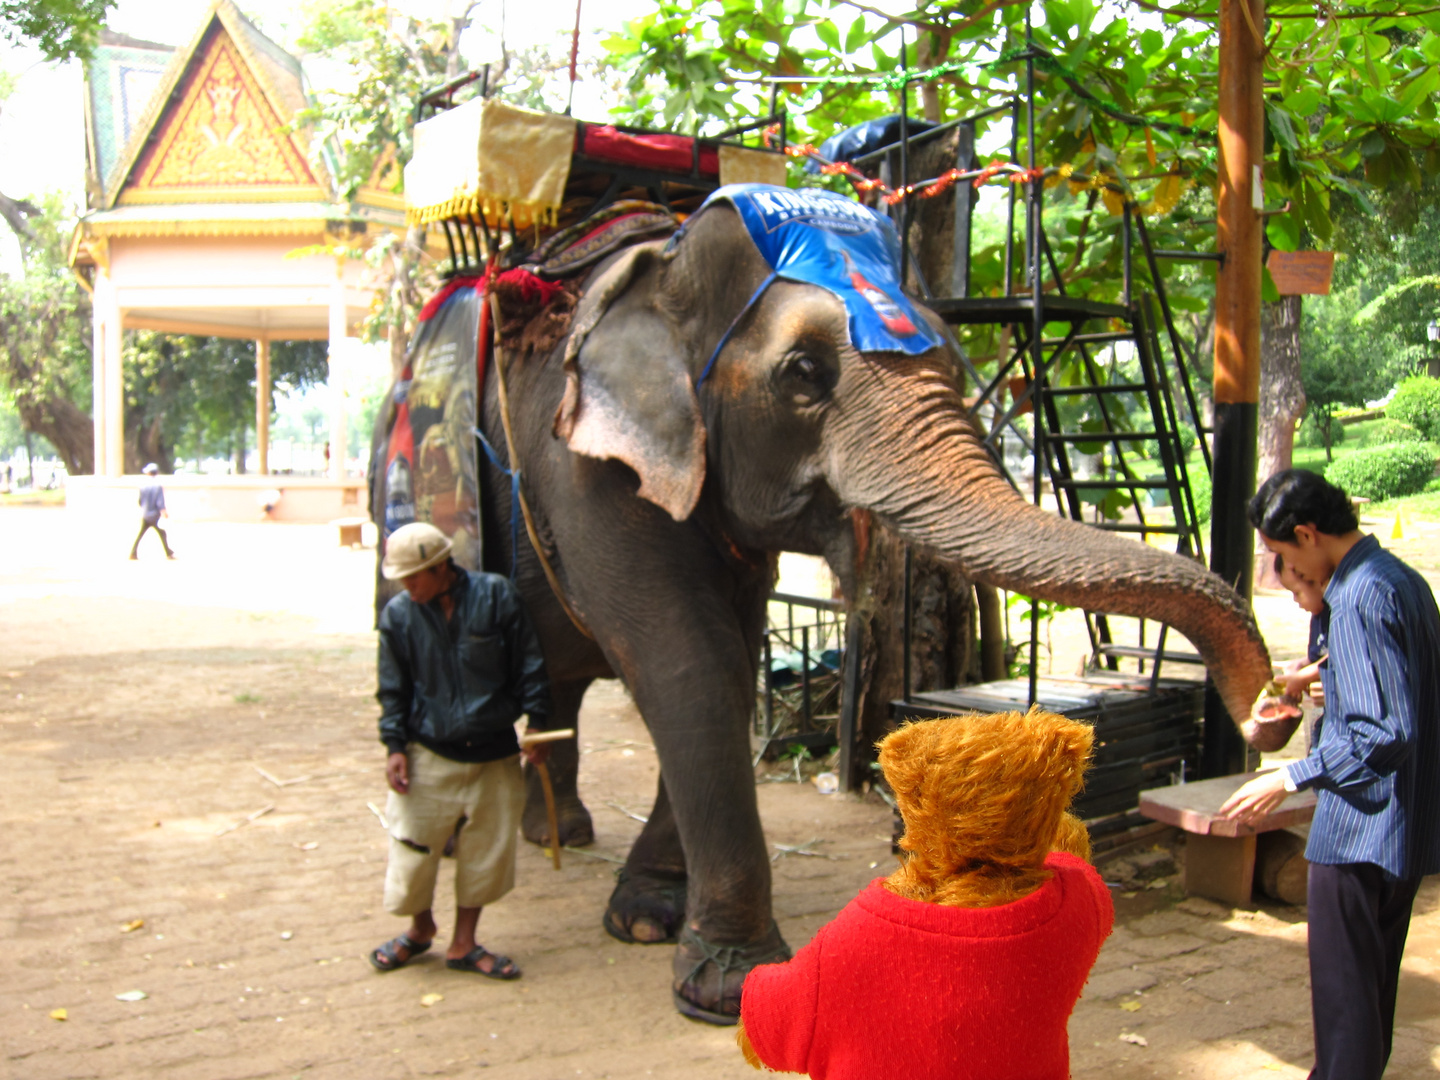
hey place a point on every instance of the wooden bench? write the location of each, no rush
(1219, 853)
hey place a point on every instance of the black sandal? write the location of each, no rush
(501, 967)
(385, 958)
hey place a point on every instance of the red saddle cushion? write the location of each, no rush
(672, 153)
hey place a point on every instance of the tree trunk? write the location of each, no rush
(67, 427)
(943, 617)
(1282, 402)
(929, 51)
(145, 443)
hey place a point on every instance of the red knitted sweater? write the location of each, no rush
(896, 988)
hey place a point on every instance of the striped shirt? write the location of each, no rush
(1375, 763)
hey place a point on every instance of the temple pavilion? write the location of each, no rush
(211, 213)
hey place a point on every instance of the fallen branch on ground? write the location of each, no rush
(256, 816)
(282, 783)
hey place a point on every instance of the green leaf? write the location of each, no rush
(1279, 122)
(856, 35)
(1283, 231)
(1305, 101)
(828, 33)
(1268, 292)
(1425, 83)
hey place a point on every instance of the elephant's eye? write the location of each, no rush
(805, 379)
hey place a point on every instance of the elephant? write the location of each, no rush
(699, 416)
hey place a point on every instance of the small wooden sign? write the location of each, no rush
(1301, 273)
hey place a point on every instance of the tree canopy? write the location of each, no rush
(61, 29)
(1126, 96)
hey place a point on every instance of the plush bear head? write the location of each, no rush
(985, 799)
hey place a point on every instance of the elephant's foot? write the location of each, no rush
(708, 977)
(646, 908)
(576, 828)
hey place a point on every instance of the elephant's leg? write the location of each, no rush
(648, 904)
(697, 708)
(576, 828)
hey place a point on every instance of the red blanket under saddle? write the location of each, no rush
(673, 153)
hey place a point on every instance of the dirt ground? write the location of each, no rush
(140, 703)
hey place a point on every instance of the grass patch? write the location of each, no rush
(34, 498)
(1422, 507)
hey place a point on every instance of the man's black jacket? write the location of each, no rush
(458, 688)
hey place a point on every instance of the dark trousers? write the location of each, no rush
(135, 547)
(1358, 923)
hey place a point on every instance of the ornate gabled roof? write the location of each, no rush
(120, 79)
(216, 128)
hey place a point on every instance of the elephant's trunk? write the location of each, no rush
(916, 461)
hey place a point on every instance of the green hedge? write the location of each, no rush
(1387, 432)
(1417, 403)
(1200, 492)
(1386, 471)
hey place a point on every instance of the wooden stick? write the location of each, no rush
(246, 821)
(282, 783)
(530, 738)
(544, 772)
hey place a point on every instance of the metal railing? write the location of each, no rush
(798, 692)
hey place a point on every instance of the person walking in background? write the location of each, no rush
(152, 509)
(459, 663)
(1375, 764)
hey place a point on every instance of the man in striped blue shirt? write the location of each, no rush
(1375, 765)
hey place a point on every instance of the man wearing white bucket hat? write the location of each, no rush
(152, 509)
(459, 664)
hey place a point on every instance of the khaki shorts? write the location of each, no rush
(488, 796)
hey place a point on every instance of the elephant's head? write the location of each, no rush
(793, 428)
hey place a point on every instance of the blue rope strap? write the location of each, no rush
(514, 476)
(733, 325)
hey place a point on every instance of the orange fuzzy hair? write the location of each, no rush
(985, 799)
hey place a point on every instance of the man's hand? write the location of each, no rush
(1256, 798)
(536, 753)
(397, 773)
(1297, 684)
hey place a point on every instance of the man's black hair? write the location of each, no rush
(1300, 497)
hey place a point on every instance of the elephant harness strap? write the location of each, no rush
(569, 253)
(490, 318)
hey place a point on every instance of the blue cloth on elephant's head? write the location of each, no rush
(825, 239)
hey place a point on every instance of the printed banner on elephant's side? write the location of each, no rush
(430, 470)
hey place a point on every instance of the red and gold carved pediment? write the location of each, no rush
(220, 139)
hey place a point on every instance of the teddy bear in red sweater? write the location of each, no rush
(968, 960)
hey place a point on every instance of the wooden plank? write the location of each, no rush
(1196, 807)
(1301, 273)
(1221, 868)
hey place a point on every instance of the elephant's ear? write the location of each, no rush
(628, 394)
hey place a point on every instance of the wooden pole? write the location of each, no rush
(262, 405)
(1239, 201)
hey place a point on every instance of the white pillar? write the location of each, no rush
(338, 395)
(98, 306)
(109, 379)
(114, 391)
(262, 405)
